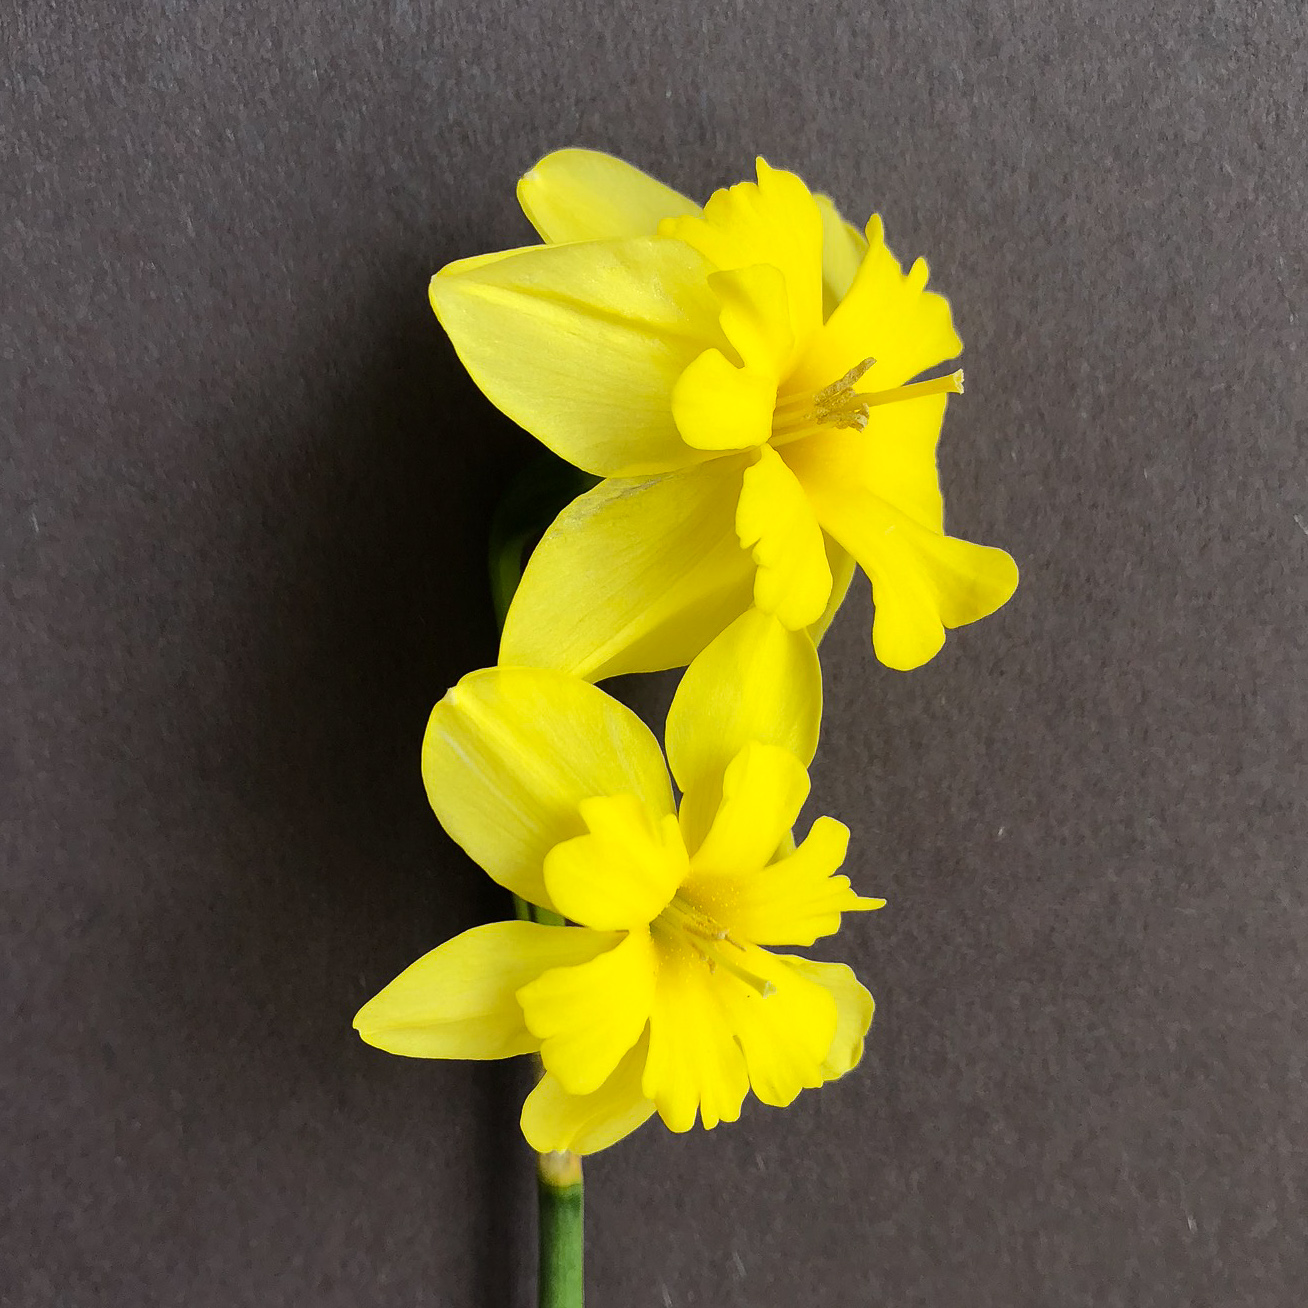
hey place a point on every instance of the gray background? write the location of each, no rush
(244, 513)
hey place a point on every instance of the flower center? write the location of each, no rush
(713, 943)
(840, 405)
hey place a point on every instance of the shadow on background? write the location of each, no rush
(346, 588)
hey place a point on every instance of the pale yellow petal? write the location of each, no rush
(887, 315)
(634, 576)
(583, 344)
(775, 221)
(718, 406)
(784, 1034)
(588, 1017)
(775, 521)
(763, 790)
(854, 1009)
(922, 580)
(623, 872)
(510, 754)
(842, 565)
(756, 681)
(793, 901)
(459, 1000)
(694, 1062)
(585, 195)
(843, 248)
(553, 1120)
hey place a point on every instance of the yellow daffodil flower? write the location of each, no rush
(666, 995)
(741, 377)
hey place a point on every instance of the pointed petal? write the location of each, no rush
(762, 792)
(582, 344)
(623, 873)
(588, 1017)
(553, 1120)
(793, 901)
(634, 576)
(843, 248)
(775, 520)
(922, 580)
(756, 681)
(775, 221)
(510, 754)
(718, 406)
(854, 1009)
(886, 315)
(842, 565)
(785, 1035)
(585, 195)
(459, 1000)
(694, 1063)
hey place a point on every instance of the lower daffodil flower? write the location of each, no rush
(667, 995)
(741, 377)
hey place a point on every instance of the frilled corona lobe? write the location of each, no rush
(666, 992)
(741, 376)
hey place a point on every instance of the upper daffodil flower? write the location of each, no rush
(741, 377)
(665, 996)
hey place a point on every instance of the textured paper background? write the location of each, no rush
(244, 519)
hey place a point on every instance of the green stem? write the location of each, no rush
(562, 1280)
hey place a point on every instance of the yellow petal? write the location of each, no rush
(718, 406)
(775, 221)
(694, 1063)
(924, 583)
(764, 788)
(922, 580)
(886, 315)
(776, 522)
(588, 1017)
(634, 576)
(459, 1000)
(585, 195)
(899, 457)
(756, 316)
(510, 754)
(582, 344)
(842, 565)
(785, 1035)
(793, 901)
(553, 1120)
(854, 1009)
(756, 681)
(843, 248)
(624, 872)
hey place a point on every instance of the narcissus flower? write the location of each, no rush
(741, 377)
(667, 995)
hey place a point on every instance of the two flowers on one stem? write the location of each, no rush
(740, 377)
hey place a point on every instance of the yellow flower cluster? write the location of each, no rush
(741, 377)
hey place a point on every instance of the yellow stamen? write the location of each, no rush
(841, 406)
(712, 943)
